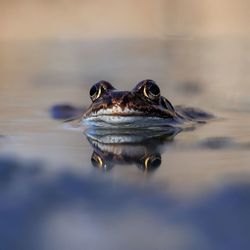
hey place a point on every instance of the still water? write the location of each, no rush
(53, 196)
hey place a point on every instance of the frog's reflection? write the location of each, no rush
(126, 147)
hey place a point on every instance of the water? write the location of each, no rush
(52, 197)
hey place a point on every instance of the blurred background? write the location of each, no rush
(64, 19)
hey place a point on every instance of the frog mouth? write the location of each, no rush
(117, 111)
(126, 111)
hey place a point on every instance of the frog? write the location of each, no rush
(141, 107)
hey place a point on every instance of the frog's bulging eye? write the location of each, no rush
(154, 90)
(151, 90)
(99, 88)
(95, 92)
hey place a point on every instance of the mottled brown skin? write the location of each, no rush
(157, 106)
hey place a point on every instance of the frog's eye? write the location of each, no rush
(99, 88)
(95, 92)
(151, 90)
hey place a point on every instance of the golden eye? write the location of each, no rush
(151, 90)
(100, 88)
(152, 162)
(95, 92)
(97, 161)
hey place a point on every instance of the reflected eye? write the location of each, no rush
(151, 90)
(99, 162)
(152, 162)
(96, 160)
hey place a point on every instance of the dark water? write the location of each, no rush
(193, 192)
